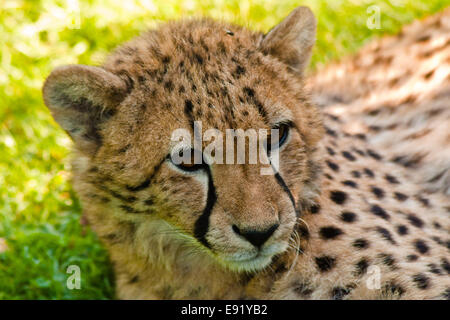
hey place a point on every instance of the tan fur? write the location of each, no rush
(146, 210)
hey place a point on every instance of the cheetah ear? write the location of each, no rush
(80, 99)
(292, 40)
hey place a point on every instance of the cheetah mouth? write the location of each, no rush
(254, 262)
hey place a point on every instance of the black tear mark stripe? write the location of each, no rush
(286, 189)
(202, 224)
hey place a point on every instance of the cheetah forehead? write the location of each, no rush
(201, 70)
(226, 76)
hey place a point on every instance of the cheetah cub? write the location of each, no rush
(333, 220)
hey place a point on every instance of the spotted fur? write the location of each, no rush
(395, 93)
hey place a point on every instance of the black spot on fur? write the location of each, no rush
(348, 216)
(378, 211)
(165, 59)
(361, 243)
(438, 240)
(412, 257)
(378, 192)
(402, 230)
(330, 151)
(369, 173)
(415, 221)
(424, 201)
(388, 260)
(445, 265)
(386, 234)
(421, 246)
(361, 267)
(169, 86)
(330, 232)
(338, 293)
(437, 225)
(338, 197)
(141, 79)
(356, 174)
(150, 201)
(350, 183)
(434, 268)
(333, 166)
(400, 196)
(240, 70)
(249, 92)
(422, 281)
(330, 132)
(198, 58)
(373, 154)
(325, 263)
(391, 179)
(348, 156)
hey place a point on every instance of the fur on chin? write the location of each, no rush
(258, 263)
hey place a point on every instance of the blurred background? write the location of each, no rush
(40, 230)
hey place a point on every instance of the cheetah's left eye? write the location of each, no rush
(283, 133)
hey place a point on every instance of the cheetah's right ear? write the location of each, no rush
(292, 40)
(80, 99)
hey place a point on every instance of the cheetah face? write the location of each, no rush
(245, 216)
(122, 117)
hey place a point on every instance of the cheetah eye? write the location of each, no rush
(283, 133)
(189, 165)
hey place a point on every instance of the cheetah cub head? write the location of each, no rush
(195, 76)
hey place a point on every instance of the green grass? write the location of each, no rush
(39, 213)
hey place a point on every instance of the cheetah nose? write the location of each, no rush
(256, 237)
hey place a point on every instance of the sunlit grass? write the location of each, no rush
(39, 213)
